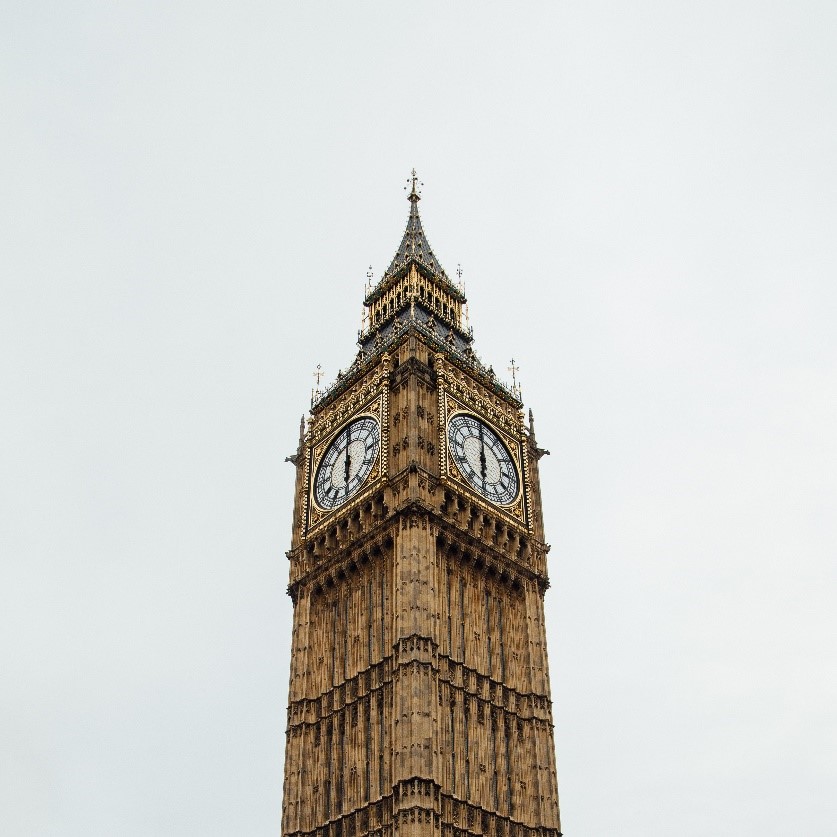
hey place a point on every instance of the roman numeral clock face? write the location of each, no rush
(483, 459)
(346, 463)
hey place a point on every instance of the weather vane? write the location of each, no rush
(318, 376)
(514, 369)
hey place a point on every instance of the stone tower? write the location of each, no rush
(419, 698)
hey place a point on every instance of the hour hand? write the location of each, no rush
(348, 463)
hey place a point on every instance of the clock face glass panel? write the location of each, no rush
(483, 459)
(347, 462)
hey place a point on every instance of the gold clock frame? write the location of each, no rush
(517, 509)
(324, 430)
(510, 448)
(322, 450)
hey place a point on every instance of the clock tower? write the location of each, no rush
(419, 700)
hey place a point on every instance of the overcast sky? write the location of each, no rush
(642, 197)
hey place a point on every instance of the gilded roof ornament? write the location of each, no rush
(415, 194)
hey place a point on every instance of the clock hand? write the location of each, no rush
(348, 464)
(482, 455)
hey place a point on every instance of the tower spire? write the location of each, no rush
(414, 244)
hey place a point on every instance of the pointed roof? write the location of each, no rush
(414, 245)
(424, 309)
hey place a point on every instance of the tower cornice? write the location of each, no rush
(320, 564)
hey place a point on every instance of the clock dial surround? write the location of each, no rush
(483, 459)
(347, 462)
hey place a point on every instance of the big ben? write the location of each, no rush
(419, 699)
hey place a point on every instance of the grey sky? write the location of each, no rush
(642, 197)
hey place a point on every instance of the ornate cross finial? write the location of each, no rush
(318, 376)
(414, 183)
(514, 369)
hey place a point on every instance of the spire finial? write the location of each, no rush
(414, 183)
(317, 392)
(514, 369)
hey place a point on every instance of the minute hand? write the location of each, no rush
(482, 455)
(348, 464)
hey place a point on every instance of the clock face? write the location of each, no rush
(482, 458)
(347, 463)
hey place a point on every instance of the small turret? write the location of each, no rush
(535, 454)
(533, 442)
(295, 457)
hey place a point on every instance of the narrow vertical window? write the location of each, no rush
(453, 749)
(327, 788)
(493, 765)
(450, 621)
(508, 767)
(462, 619)
(381, 749)
(367, 725)
(500, 632)
(333, 640)
(467, 750)
(346, 634)
(369, 631)
(488, 629)
(341, 763)
(383, 613)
